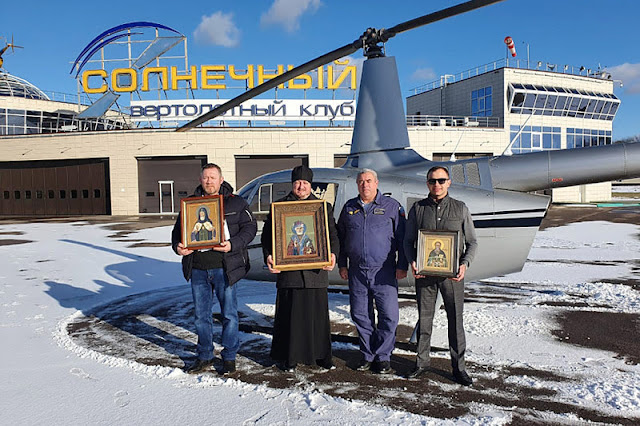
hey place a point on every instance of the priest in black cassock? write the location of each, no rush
(301, 329)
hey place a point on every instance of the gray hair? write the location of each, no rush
(363, 171)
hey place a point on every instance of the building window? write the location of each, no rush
(561, 102)
(481, 102)
(535, 138)
(580, 138)
(21, 122)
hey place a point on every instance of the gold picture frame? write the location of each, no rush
(438, 253)
(202, 222)
(300, 231)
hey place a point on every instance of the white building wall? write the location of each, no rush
(429, 140)
(220, 145)
(593, 193)
(454, 99)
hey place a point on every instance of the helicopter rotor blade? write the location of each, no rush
(436, 16)
(370, 37)
(270, 84)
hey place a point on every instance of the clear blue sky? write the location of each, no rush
(272, 32)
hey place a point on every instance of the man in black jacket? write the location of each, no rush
(301, 328)
(217, 270)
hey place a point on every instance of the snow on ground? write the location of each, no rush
(64, 269)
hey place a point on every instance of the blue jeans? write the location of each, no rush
(203, 284)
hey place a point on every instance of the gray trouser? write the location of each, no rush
(453, 297)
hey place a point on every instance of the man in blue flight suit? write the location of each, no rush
(371, 231)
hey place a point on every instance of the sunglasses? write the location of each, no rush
(441, 181)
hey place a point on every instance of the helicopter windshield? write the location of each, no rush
(246, 191)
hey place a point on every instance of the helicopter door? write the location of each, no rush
(270, 192)
(265, 195)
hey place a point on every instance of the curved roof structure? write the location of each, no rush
(100, 41)
(10, 85)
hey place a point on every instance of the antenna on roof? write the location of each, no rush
(4, 49)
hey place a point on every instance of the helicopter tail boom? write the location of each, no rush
(556, 169)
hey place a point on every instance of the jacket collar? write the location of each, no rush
(291, 197)
(376, 200)
(431, 201)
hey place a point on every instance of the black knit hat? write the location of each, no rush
(301, 172)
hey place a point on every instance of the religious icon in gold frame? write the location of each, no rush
(438, 253)
(300, 235)
(202, 222)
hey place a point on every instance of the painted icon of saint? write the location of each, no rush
(300, 242)
(437, 258)
(203, 229)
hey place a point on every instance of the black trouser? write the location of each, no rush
(453, 297)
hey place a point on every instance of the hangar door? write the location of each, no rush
(249, 167)
(55, 187)
(164, 181)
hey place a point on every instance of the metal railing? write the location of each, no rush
(68, 97)
(452, 121)
(513, 63)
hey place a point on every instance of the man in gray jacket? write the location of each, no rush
(440, 212)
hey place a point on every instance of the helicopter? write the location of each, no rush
(4, 49)
(506, 212)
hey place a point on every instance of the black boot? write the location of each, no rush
(463, 378)
(199, 366)
(229, 366)
(417, 372)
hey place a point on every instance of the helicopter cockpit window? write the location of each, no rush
(246, 191)
(325, 191)
(263, 197)
(270, 192)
